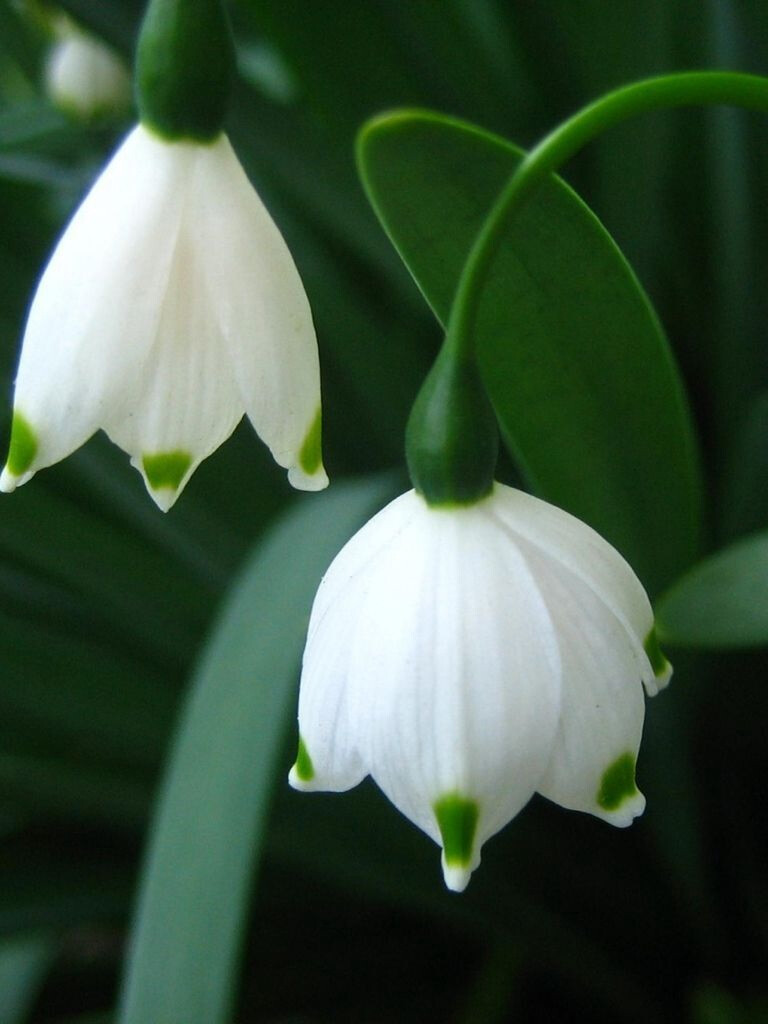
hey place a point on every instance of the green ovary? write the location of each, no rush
(166, 469)
(23, 448)
(457, 820)
(617, 783)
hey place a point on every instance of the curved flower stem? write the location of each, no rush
(678, 90)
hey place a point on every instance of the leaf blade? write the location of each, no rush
(588, 397)
(194, 893)
(721, 602)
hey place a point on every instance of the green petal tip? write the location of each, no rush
(23, 447)
(659, 663)
(303, 769)
(618, 783)
(165, 471)
(310, 454)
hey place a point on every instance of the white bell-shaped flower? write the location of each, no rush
(468, 656)
(170, 307)
(84, 76)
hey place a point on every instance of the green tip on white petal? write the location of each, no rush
(165, 474)
(662, 669)
(618, 796)
(309, 473)
(302, 774)
(457, 818)
(21, 455)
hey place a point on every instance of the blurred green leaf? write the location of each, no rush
(744, 497)
(23, 963)
(722, 601)
(159, 604)
(209, 829)
(585, 387)
(25, 125)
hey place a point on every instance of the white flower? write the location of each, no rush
(170, 307)
(85, 77)
(468, 656)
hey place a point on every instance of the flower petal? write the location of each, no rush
(461, 675)
(85, 77)
(263, 314)
(584, 553)
(602, 702)
(331, 720)
(186, 399)
(114, 256)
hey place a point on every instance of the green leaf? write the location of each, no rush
(210, 821)
(23, 963)
(722, 601)
(583, 382)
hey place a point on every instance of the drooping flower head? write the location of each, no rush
(472, 645)
(171, 305)
(83, 76)
(467, 657)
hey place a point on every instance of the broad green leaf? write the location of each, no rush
(585, 387)
(210, 820)
(722, 601)
(23, 963)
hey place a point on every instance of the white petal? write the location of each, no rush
(97, 306)
(263, 314)
(589, 557)
(460, 671)
(187, 401)
(331, 722)
(86, 77)
(602, 703)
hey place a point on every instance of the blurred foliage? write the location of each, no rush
(104, 603)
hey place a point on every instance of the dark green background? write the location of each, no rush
(104, 603)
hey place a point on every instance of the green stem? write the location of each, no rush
(678, 90)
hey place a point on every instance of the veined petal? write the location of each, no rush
(602, 702)
(584, 553)
(331, 709)
(461, 676)
(186, 400)
(98, 303)
(263, 315)
(360, 551)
